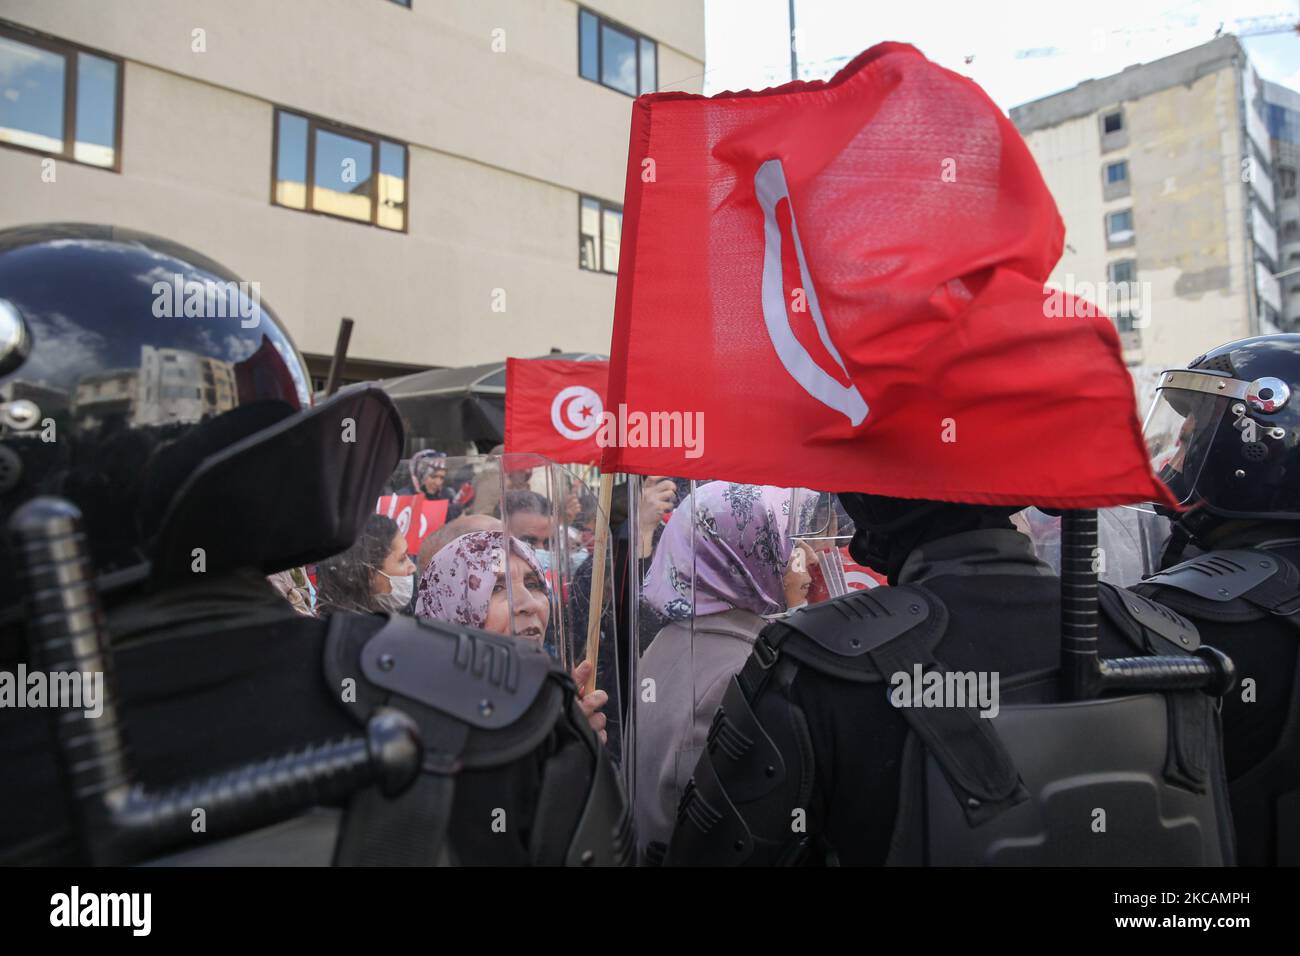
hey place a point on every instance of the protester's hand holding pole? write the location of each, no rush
(658, 495)
(590, 700)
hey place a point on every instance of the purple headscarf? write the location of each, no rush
(457, 583)
(735, 557)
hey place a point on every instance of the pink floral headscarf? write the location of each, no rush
(457, 584)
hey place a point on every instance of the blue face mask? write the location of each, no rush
(543, 559)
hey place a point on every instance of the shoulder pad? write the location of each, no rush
(837, 636)
(1126, 608)
(485, 680)
(1219, 575)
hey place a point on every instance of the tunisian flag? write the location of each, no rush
(841, 284)
(554, 408)
(417, 517)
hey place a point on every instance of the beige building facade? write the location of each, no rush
(447, 146)
(1284, 131)
(1163, 176)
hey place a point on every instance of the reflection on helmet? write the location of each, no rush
(143, 358)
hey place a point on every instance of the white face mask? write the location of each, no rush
(395, 601)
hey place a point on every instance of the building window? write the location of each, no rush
(1114, 180)
(60, 100)
(1290, 229)
(614, 56)
(1119, 227)
(1286, 177)
(1121, 298)
(600, 227)
(1123, 270)
(1113, 130)
(338, 171)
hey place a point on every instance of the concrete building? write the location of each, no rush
(175, 385)
(1284, 134)
(105, 396)
(1163, 174)
(448, 173)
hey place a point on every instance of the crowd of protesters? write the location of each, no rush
(492, 562)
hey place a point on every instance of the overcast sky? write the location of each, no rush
(1018, 50)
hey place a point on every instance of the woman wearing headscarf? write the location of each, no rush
(465, 583)
(429, 478)
(722, 564)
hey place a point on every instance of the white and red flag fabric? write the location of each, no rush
(843, 282)
(417, 517)
(554, 408)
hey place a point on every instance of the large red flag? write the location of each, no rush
(554, 407)
(840, 285)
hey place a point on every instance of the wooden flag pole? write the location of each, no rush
(597, 605)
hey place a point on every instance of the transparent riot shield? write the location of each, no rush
(820, 522)
(525, 566)
(524, 570)
(709, 578)
(374, 576)
(1129, 541)
(822, 531)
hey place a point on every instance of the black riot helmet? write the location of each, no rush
(156, 391)
(1223, 433)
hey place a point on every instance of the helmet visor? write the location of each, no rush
(1179, 432)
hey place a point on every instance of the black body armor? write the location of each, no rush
(360, 740)
(1133, 780)
(1247, 601)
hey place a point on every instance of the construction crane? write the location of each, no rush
(1262, 26)
(1241, 27)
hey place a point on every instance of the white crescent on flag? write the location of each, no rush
(770, 188)
(576, 412)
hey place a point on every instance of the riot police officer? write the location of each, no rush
(840, 740)
(1224, 434)
(152, 401)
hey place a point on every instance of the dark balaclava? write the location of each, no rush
(889, 529)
